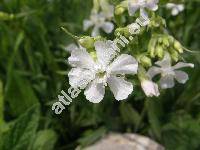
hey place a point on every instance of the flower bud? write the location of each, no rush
(170, 39)
(178, 46)
(119, 10)
(151, 47)
(150, 88)
(145, 61)
(159, 51)
(88, 42)
(6, 16)
(175, 55)
(160, 40)
(122, 31)
(166, 41)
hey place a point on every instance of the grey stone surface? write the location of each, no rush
(125, 142)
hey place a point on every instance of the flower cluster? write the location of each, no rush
(148, 53)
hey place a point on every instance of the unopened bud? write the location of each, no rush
(145, 61)
(178, 46)
(166, 41)
(151, 47)
(6, 16)
(87, 42)
(160, 40)
(159, 51)
(175, 55)
(122, 31)
(119, 10)
(171, 39)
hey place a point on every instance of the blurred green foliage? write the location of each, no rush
(33, 71)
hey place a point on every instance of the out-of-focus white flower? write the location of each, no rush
(134, 5)
(175, 8)
(102, 72)
(98, 21)
(168, 72)
(107, 9)
(150, 88)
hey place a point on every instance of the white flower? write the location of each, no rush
(168, 72)
(134, 5)
(150, 88)
(98, 21)
(175, 8)
(107, 9)
(71, 47)
(101, 72)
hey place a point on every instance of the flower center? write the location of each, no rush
(168, 71)
(101, 74)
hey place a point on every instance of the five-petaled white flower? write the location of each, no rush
(168, 72)
(134, 5)
(175, 8)
(150, 88)
(101, 72)
(98, 21)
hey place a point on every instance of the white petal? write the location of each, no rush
(95, 31)
(108, 27)
(105, 52)
(175, 11)
(80, 78)
(181, 76)
(120, 88)
(95, 92)
(167, 82)
(150, 88)
(170, 5)
(71, 47)
(132, 8)
(108, 10)
(181, 7)
(143, 13)
(124, 64)
(153, 71)
(182, 65)
(87, 24)
(81, 58)
(152, 4)
(166, 62)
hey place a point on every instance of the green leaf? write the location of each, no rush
(129, 114)
(20, 94)
(91, 136)
(154, 111)
(182, 133)
(1, 104)
(45, 140)
(22, 131)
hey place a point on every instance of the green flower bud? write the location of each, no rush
(88, 42)
(175, 55)
(122, 31)
(159, 51)
(151, 47)
(166, 41)
(6, 16)
(178, 46)
(145, 61)
(171, 39)
(160, 40)
(119, 10)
